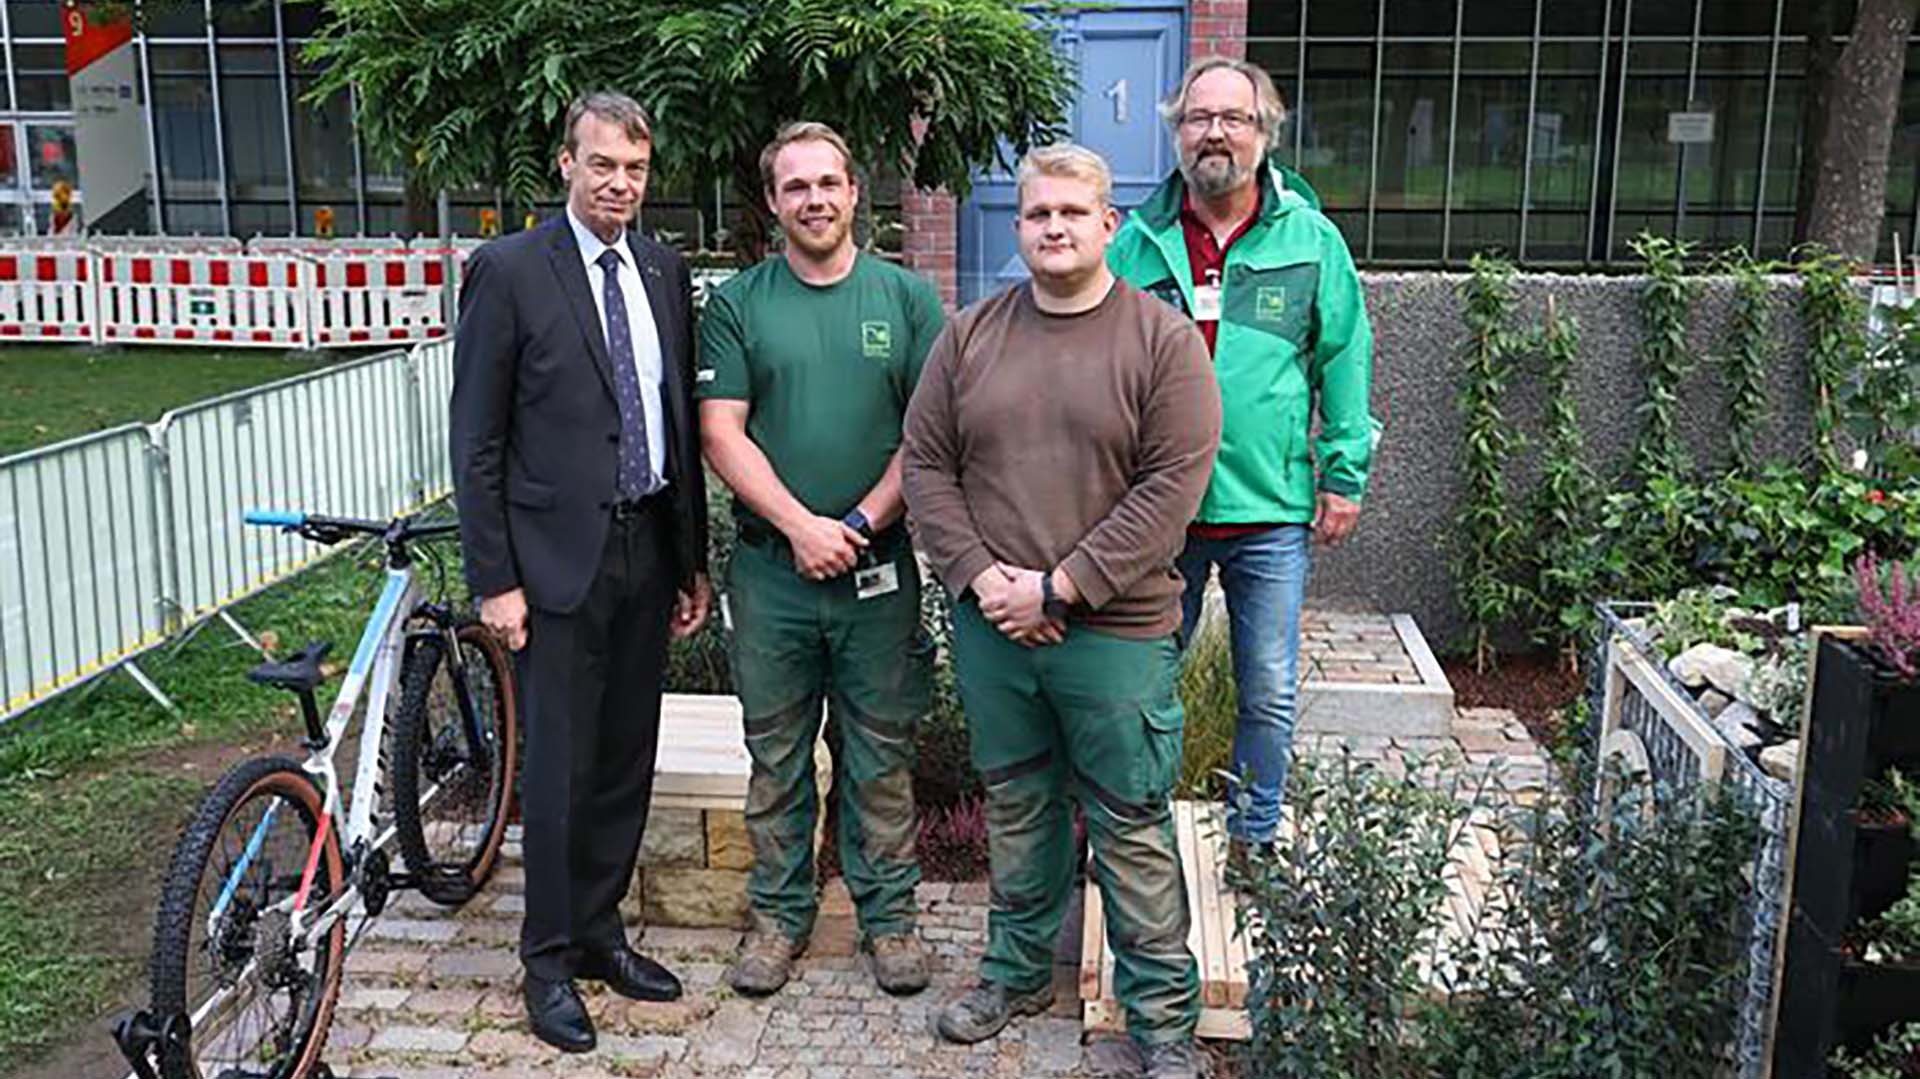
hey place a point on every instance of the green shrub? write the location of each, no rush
(1609, 944)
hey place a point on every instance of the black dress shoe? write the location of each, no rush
(630, 974)
(556, 1016)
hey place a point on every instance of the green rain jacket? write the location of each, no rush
(1293, 338)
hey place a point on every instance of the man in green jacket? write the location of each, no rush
(1269, 282)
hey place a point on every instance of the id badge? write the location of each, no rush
(871, 581)
(1206, 303)
(726, 613)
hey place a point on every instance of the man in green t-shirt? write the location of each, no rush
(807, 363)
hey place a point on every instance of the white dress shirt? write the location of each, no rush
(646, 335)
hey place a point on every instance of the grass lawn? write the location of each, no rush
(96, 785)
(53, 393)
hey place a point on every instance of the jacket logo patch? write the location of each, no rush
(876, 339)
(1270, 303)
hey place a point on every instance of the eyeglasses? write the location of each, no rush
(1233, 121)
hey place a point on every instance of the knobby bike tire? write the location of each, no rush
(429, 752)
(250, 941)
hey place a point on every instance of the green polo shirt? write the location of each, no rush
(828, 371)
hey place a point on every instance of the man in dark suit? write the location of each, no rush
(576, 463)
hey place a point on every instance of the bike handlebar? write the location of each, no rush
(324, 529)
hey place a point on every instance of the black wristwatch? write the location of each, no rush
(856, 519)
(1051, 604)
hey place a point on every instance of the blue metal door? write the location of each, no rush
(1128, 60)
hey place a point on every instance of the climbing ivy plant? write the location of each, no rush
(1563, 504)
(1664, 358)
(1487, 533)
(1749, 355)
(1835, 316)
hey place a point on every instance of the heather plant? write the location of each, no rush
(953, 840)
(1892, 613)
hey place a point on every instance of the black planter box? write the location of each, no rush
(1875, 996)
(1882, 854)
(1893, 720)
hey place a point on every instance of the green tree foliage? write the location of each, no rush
(473, 92)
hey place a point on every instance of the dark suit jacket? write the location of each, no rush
(535, 429)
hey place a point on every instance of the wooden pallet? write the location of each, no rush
(1222, 953)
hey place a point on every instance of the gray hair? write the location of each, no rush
(1269, 110)
(609, 107)
(1069, 160)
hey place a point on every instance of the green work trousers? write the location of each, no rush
(1098, 717)
(795, 642)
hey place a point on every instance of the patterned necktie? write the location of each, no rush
(635, 470)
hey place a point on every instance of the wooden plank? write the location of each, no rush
(1207, 838)
(1224, 1024)
(1093, 939)
(1189, 859)
(1103, 1015)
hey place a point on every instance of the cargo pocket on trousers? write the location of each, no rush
(1163, 737)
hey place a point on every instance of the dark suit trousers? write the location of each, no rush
(592, 683)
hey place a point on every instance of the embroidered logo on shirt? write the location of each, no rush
(1270, 304)
(876, 339)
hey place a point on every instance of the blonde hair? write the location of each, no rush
(803, 131)
(1069, 160)
(1267, 105)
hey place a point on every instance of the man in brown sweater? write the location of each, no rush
(1059, 442)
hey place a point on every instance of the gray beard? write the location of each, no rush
(1214, 181)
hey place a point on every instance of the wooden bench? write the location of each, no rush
(695, 854)
(1222, 953)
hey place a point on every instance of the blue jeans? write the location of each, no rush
(1264, 576)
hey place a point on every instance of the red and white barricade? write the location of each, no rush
(47, 296)
(216, 300)
(378, 299)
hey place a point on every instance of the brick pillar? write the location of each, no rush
(1217, 28)
(929, 246)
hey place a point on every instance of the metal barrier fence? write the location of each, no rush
(291, 293)
(112, 543)
(1680, 749)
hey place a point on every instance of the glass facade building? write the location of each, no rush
(1432, 129)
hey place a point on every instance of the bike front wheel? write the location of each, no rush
(453, 752)
(225, 953)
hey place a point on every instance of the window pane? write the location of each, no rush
(1514, 18)
(1281, 59)
(50, 157)
(254, 128)
(1565, 111)
(261, 219)
(322, 147)
(1415, 103)
(1420, 18)
(177, 20)
(1738, 16)
(1647, 172)
(186, 217)
(40, 78)
(1336, 124)
(1491, 147)
(1274, 18)
(9, 167)
(243, 18)
(184, 130)
(1350, 18)
(1722, 176)
(33, 18)
(301, 20)
(1668, 18)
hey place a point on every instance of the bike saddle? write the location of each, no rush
(299, 672)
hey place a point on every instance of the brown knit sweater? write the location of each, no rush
(1082, 441)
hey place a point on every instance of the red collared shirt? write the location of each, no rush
(1208, 257)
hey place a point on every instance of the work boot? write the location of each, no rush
(899, 962)
(1170, 1060)
(982, 1011)
(766, 962)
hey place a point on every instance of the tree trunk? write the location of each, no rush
(1822, 55)
(1850, 192)
(423, 211)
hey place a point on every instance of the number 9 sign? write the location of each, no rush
(76, 22)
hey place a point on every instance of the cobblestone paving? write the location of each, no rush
(434, 994)
(1338, 647)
